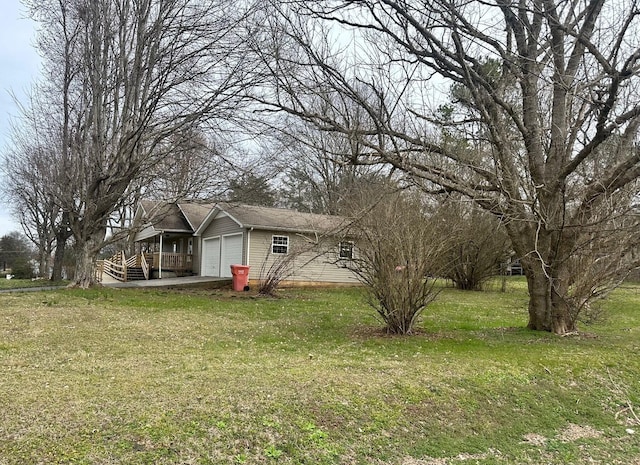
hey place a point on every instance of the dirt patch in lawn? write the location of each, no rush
(574, 432)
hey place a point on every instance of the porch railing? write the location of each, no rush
(173, 261)
(117, 266)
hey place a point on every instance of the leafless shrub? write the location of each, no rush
(396, 249)
(479, 245)
(603, 257)
(273, 273)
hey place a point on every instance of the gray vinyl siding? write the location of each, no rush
(313, 262)
(220, 227)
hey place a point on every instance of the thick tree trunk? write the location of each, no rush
(58, 259)
(43, 262)
(544, 258)
(62, 235)
(548, 310)
(86, 255)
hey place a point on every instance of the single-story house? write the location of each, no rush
(206, 239)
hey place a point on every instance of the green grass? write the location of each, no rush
(28, 283)
(209, 377)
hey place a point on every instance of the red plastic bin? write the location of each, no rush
(240, 277)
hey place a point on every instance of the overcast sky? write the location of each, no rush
(19, 66)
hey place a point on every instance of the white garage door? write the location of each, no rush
(231, 253)
(211, 257)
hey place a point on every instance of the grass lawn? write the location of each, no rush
(28, 283)
(209, 377)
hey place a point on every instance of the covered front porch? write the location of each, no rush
(165, 254)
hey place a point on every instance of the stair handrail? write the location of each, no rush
(145, 266)
(113, 268)
(131, 261)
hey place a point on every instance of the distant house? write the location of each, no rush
(206, 239)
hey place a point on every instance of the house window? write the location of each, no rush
(345, 251)
(280, 245)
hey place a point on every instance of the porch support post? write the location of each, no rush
(160, 257)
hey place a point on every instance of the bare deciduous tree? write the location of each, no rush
(126, 77)
(318, 176)
(36, 212)
(192, 162)
(28, 164)
(538, 90)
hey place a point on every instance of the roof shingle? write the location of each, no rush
(251, 216)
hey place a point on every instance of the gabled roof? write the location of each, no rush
(195, 217)
(278, 219)
(164, 216)
(184, 217)
(195, 213)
